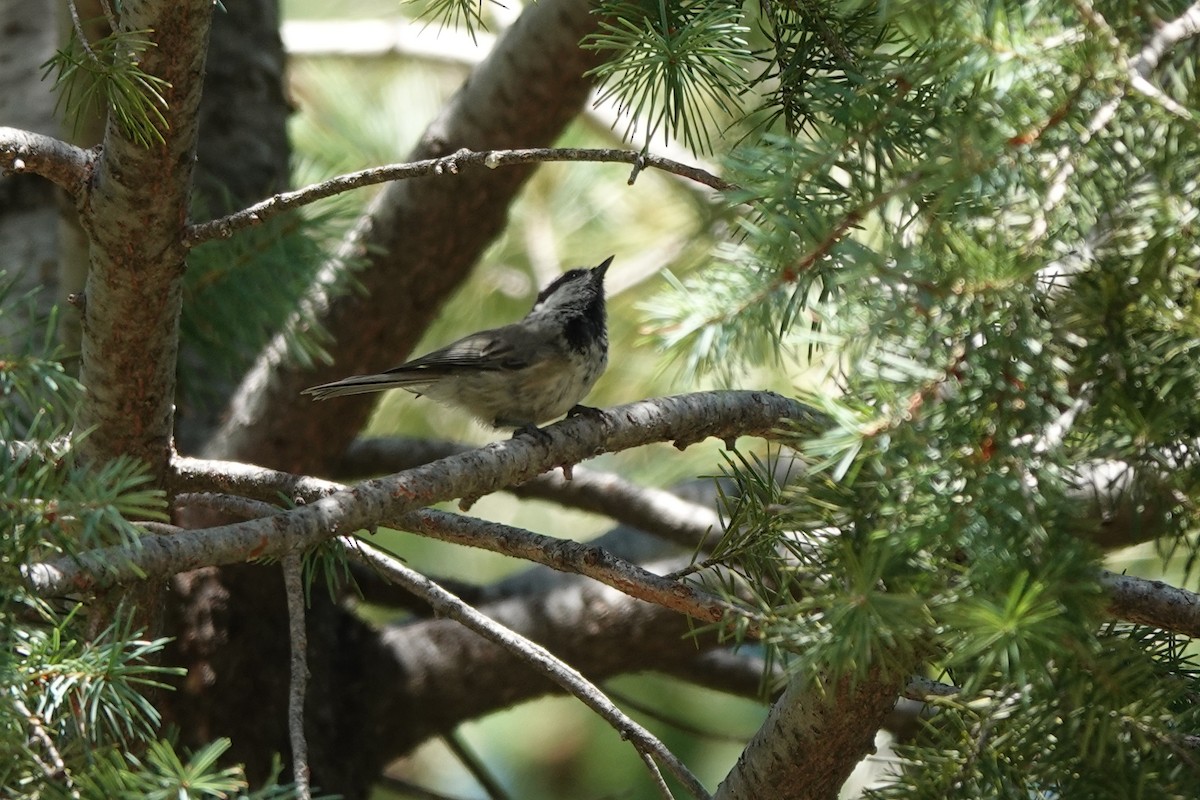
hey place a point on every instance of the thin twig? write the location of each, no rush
(568, 556)
(293, 581)
(56, 771)
(224, 227)
(107, 8)
(244, 507)
(77, 25)
(533, 654)
(660, 783)
(474, 765)
(647, 710)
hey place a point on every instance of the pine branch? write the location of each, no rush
(449, 165)
(684, 419)
(657, 511)
(1132, 599)
(1185, 26)
(67, 166)
(1148, 602)
(1138, 71)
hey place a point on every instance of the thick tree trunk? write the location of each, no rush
(135, 216)
(243, 154)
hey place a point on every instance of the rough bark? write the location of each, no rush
(134, 217)
(418, 241)
(812, 739)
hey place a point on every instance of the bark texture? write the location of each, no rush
(812, 739)
(134, 217)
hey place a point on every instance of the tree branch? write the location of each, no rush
(568, 556)
(815, 734)
(684, 419)
(450, 165)
(1154, 603)
(1137, 71)
(1185, 26)
(334, 507)
(475, 766)
(657, 511)
(67, 166)
(563, 555)
(293, 581)
(56, 770)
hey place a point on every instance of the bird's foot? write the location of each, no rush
(532, 431)
(585, 411)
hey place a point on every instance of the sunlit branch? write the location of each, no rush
(447, 166)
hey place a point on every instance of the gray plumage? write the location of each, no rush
(518, 375)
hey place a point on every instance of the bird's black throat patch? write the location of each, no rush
(583, 331)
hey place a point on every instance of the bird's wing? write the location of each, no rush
(484, 350)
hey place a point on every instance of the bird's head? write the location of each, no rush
(574, 290)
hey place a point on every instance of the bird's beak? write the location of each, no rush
(600, 270)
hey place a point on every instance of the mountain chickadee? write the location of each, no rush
(514, 376)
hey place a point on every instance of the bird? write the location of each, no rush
(516, 376)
